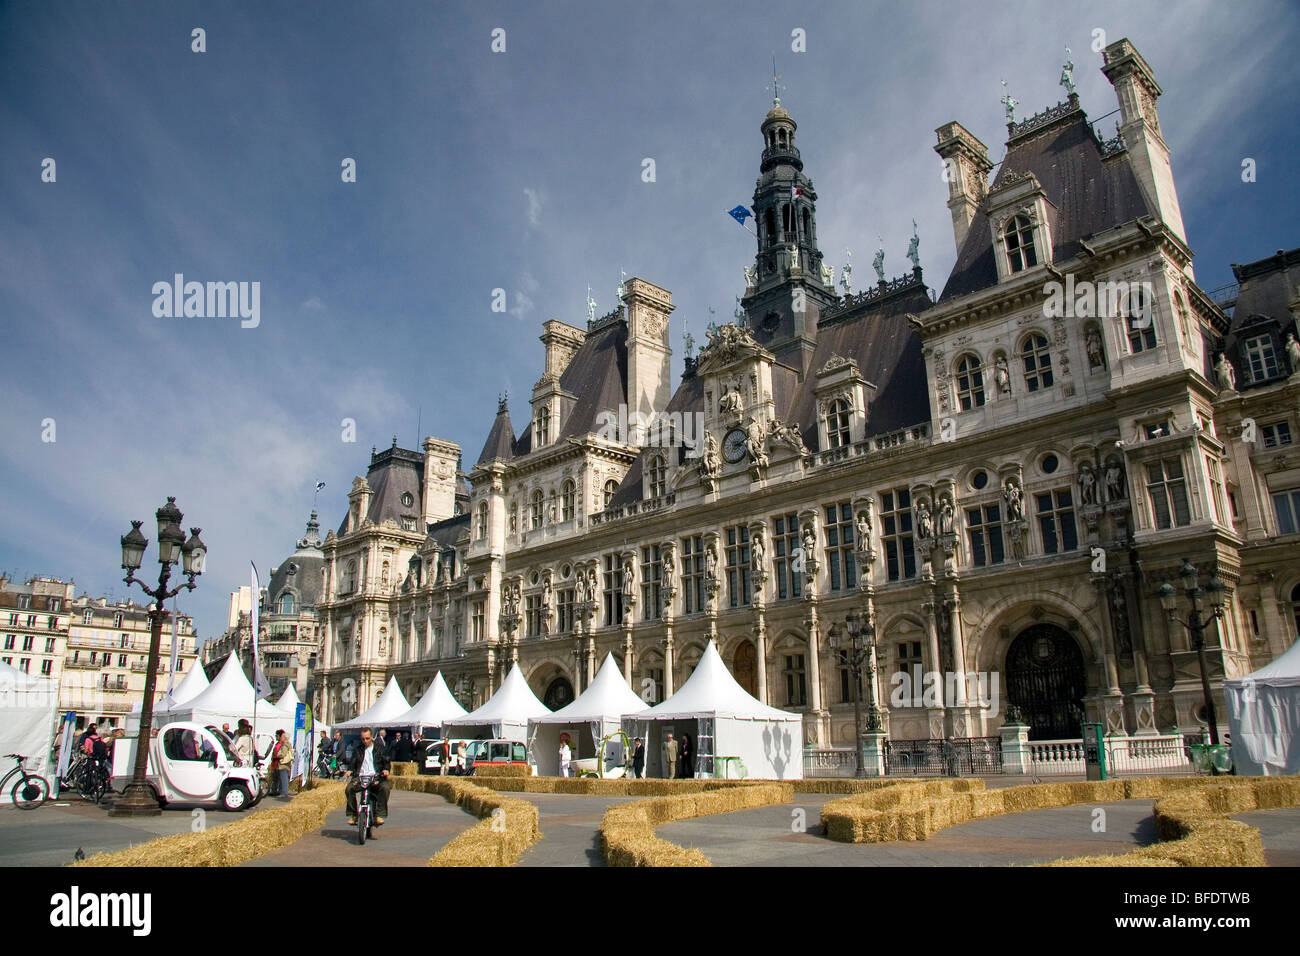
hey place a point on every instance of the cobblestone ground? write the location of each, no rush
(765, 837)
(417, 827)
(52, 834)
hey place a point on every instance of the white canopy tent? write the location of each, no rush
(227, 699)
(289, 700)
(29, 705)
(390, 704)
(595, 713)
(437, 706)
(193, 684)
(506, 715)
(724, 721)
(1264, 717)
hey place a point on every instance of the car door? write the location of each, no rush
(188, 766)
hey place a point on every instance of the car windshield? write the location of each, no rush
(224, 741)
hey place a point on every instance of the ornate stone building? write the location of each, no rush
(998, 478)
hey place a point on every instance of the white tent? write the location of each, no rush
(390, 704)
(194, 683)
(289, 701)
(506, 715)
(434, 708)
(1264, 717)
(597, 711)
(28, 704)
(228, 698)
(724, 722)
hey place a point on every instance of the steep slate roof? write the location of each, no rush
(501, 438)
(306, 564)
(393, 472)
(1089, 195)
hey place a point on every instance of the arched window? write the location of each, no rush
(1019, 236)
(535, 510)
(771, 224)
(970, 382)
(350, 579)
(481, 528)
(1140, 321)
(542, 427)
(837, 423)
(568, 494)
(1184, 320)
(286, 603)
(658, 475)
(611, 487)
(1038, 362)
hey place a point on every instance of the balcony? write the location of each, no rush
(82, 664)
(141, 666)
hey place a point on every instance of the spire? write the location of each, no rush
(501, 438)
(312, 538)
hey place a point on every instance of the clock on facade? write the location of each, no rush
(733, 445)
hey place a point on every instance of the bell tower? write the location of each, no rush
(785, 288)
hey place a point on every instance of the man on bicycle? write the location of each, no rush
(369, 759)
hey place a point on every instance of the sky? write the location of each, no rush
(478, 170)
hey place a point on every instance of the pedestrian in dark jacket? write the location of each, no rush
(638, 759)
(685, 768)
(402, 749)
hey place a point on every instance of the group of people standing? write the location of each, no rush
(679, 758)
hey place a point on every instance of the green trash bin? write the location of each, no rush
(1094, 751)
(1220, 758)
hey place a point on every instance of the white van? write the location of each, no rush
(190, 763)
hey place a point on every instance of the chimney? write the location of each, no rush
(649, 371)
(439, 492)
(966, 169)
(561, 342)
(1137, 90)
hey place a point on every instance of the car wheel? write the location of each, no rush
(235, 798)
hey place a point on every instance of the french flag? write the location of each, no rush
(795, 192)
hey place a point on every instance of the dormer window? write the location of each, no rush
(542, 427)
(837, 423)
(286, 603)
(1261, 358)
(568, 498)
(658, 476)
(1019, 236)
(611, 487)
(1140, 323)
(970, 383)
(535, 510)
(482, 522)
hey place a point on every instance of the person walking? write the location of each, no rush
(281, 761)
(462, 759)
(243, 743)
(687, 767)
(671, 751)
(638, 759)
(566, 755)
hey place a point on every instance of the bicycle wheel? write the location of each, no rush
(30, 791)
(363, 824)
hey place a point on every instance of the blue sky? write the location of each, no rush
(475, 171)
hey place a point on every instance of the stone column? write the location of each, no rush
(1112, 701)
(760, 646)
(669, 690)
(627, 656)
(873, 753)
(935, 715)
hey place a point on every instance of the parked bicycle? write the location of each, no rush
(30, 790)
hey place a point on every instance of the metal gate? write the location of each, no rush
(976, 756)
(1046, 679)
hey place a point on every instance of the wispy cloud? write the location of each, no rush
(535, 200)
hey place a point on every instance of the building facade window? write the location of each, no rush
(542, 427)
(1167, 490)
(1018, 235)
(970, 383)
(896, 534)
(480, 528)
(535, 501)
(786, 547)
(476, 621)
(837, 423)
(738, 571)
(613, 578)
(1216, 489)
(656, 678)
(568, 499)
(1037, 359)
(49, 645)
(796, 681)
(533, 615)
(27, 642)
(651, 575)
(564, 601)
(693, 574)
(839, 546)
(1286, 505)
(1276, 434)
(87, 617)
(984, 532)
(908, 660)
(846, 679)
(611, 488)
(658, 476)
(1056, 521)
(1140, 322)
(286, 603)
(1261, 358)
(47, 667)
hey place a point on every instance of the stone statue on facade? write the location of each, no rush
(732, 403)
(913, 248)
(591, 306)
(1293, 352)
(863, 520)
(751, 278)
(757, 552)
(710, 564)
(846, 272)
(878, 263)
(788, 435)
(828, 276)
(924, 521)
(1087, 484)
(1225, 374)
(1115, 481)
(1014, 498)
(946, 516)
(794, 258)
(710, 461)
(1067, 73)
(1092, 342)
(1001, 376)
(668, 573)
(1009, 104)
(754, 441)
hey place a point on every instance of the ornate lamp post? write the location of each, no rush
(173, 548)
(856, 643)
(1196, 625)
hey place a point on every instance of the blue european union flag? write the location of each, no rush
(740, 214)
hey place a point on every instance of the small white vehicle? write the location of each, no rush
(190, 763)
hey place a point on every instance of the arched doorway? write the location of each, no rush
(559, 692)
(744, 667)
(1047, 679)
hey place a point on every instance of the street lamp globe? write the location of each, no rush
(1217, 593)
(1168, 598)
(1188, 574)
(193, 553)
(133, 546)
(170, 534)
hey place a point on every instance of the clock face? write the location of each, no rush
(733, 445)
